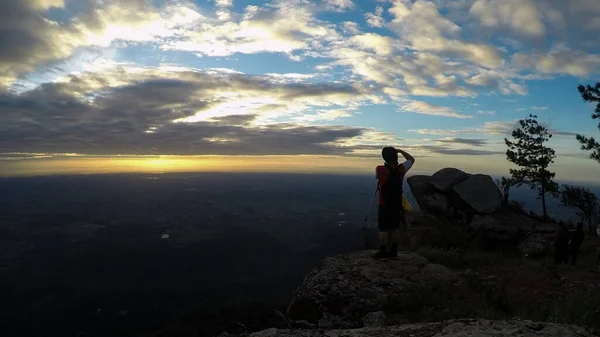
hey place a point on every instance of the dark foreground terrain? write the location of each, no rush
(147, 255)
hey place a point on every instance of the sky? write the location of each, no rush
(304, 86)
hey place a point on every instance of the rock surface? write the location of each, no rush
(455, 328)
(345, 288)
(480, 192)
(537, 244)
(475, 201)
(445, 179)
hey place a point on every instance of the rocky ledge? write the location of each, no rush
(353, 295)
(455, 328)
(344, 290)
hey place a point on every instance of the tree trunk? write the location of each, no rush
(544, 201)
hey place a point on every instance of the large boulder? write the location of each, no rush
(446, 178)
(450, 189)
(437, 205)
(431, 200)
(345, 288)
(475, 202)
(453, 328)
(420, 186)
(480, 193)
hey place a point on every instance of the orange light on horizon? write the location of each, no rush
(571, 169)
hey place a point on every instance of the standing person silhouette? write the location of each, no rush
(577, 237)
(390, 213)
(506, 191)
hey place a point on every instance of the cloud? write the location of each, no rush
(380, 45)
(422, 74)
(445, 132)
(429, 55)
(31, 40)
(224, 3)
(426, 108)
(422, 25)
(279, 27)
(28, 39)
(500, 128)
(328, 115)
(521, 16)
(539, 108)
(459, 63)
(135, 111)
(350, 27)
(498, 80)
(490, 128)
(339, 5)
(435, 49)
(375, 19)
(503, 129)
(486, 112)
(567, 62)
(430, 48)
(458, 152)
(562, 133)
(463, 141)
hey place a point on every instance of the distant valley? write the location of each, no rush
(100, 253)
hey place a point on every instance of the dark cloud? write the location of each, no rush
(238, 120)
(27, 39)
(136, 117)
(562, 133)
(465, 141)
(450, 151)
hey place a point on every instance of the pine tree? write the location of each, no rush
(582, 200)
(591, 94)
(528, 152)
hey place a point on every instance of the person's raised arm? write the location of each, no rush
(406, 155)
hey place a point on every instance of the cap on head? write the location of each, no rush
(390, 155)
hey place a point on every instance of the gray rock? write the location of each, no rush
(374, 319)
(458, 198)
(445, 179)
(537, 244)
(420, 186)
(345, 288)
(436, 205)
(481, 193)
(454, 328)
(430, 200)
(496, 225)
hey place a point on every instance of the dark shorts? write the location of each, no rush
(390, 219)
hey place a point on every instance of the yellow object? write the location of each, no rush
(405, 204)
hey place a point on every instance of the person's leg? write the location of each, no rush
(566, 255)
(395, 232)
(384, 240)
(395, 240)
(574, 257)
(384, 235)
